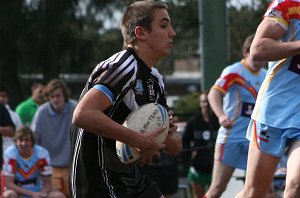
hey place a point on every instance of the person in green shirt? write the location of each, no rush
(27, 108)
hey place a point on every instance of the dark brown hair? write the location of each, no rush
(139, 13)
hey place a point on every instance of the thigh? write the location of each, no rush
(60, 179)
(260, 171)
(293, 164)
(221, 174)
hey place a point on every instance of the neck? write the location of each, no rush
(144, 54)
(26, 154)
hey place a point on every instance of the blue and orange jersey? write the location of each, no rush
(240, 86)
(27, 172)
(278, 101)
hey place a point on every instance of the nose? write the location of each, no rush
(172, 32)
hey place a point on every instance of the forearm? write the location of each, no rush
(18, 189)
(101, 124)
(266, 45)
(215, 98)
(7, 131)
(272, 50)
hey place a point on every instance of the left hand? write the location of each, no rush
(173, 127)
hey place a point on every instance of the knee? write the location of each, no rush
(56, 194)
(215, 191)
(292, 189)
(10, 194)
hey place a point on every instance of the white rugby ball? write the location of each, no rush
(146, 118)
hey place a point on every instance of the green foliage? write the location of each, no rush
(70, 36)
(187, 105)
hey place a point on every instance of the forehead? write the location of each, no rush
(57, 91)
(3, 93)
(160, 15)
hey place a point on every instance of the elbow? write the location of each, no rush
(255, 56)
(256, 53)
(76, 117)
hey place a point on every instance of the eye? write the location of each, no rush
(164, 25)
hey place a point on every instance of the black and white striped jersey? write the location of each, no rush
(96, 170)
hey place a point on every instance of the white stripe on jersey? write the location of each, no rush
(101, 164)
(120, 73)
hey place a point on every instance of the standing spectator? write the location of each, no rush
(276, 116)
(232, 98)
(4, 98)
(52, 124)
(27, 108)
(117, 87)
(27, 168)
(200, 135)
(7, 128)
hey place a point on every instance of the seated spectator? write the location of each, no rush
(26, 168)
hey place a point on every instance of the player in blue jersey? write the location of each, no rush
(276, 117)
(116, 87)
(27, 169)
(232, 98)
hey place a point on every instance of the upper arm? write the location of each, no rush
(269, 29)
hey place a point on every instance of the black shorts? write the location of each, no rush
(165, 178)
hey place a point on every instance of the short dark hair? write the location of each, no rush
(247, 43)
(3, 88)
(24, 131)
(139, 13)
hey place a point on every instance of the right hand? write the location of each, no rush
(149, 147)
(225, 121)
(38, 195)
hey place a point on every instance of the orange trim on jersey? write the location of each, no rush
(219, 88)
(244, 63)
(28, 173)
(254, 132)
(265, 85)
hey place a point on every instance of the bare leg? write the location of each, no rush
(198, 190)
(292, 189)
(221, 176)
(260, 172)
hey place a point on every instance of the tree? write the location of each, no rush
(50, 37)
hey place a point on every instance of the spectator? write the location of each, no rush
(27, 108)
(200, 137)
(232, 98)
(52, 124)
(7, 128)
(27, 168)
(4, 99)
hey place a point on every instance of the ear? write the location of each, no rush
(245, 53)
(140, 33)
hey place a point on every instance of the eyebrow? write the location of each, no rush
(165, 19)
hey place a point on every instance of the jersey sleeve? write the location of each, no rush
(227, 79)
(9, 162)
(43, 161)
(279, 12)
(115, 74)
